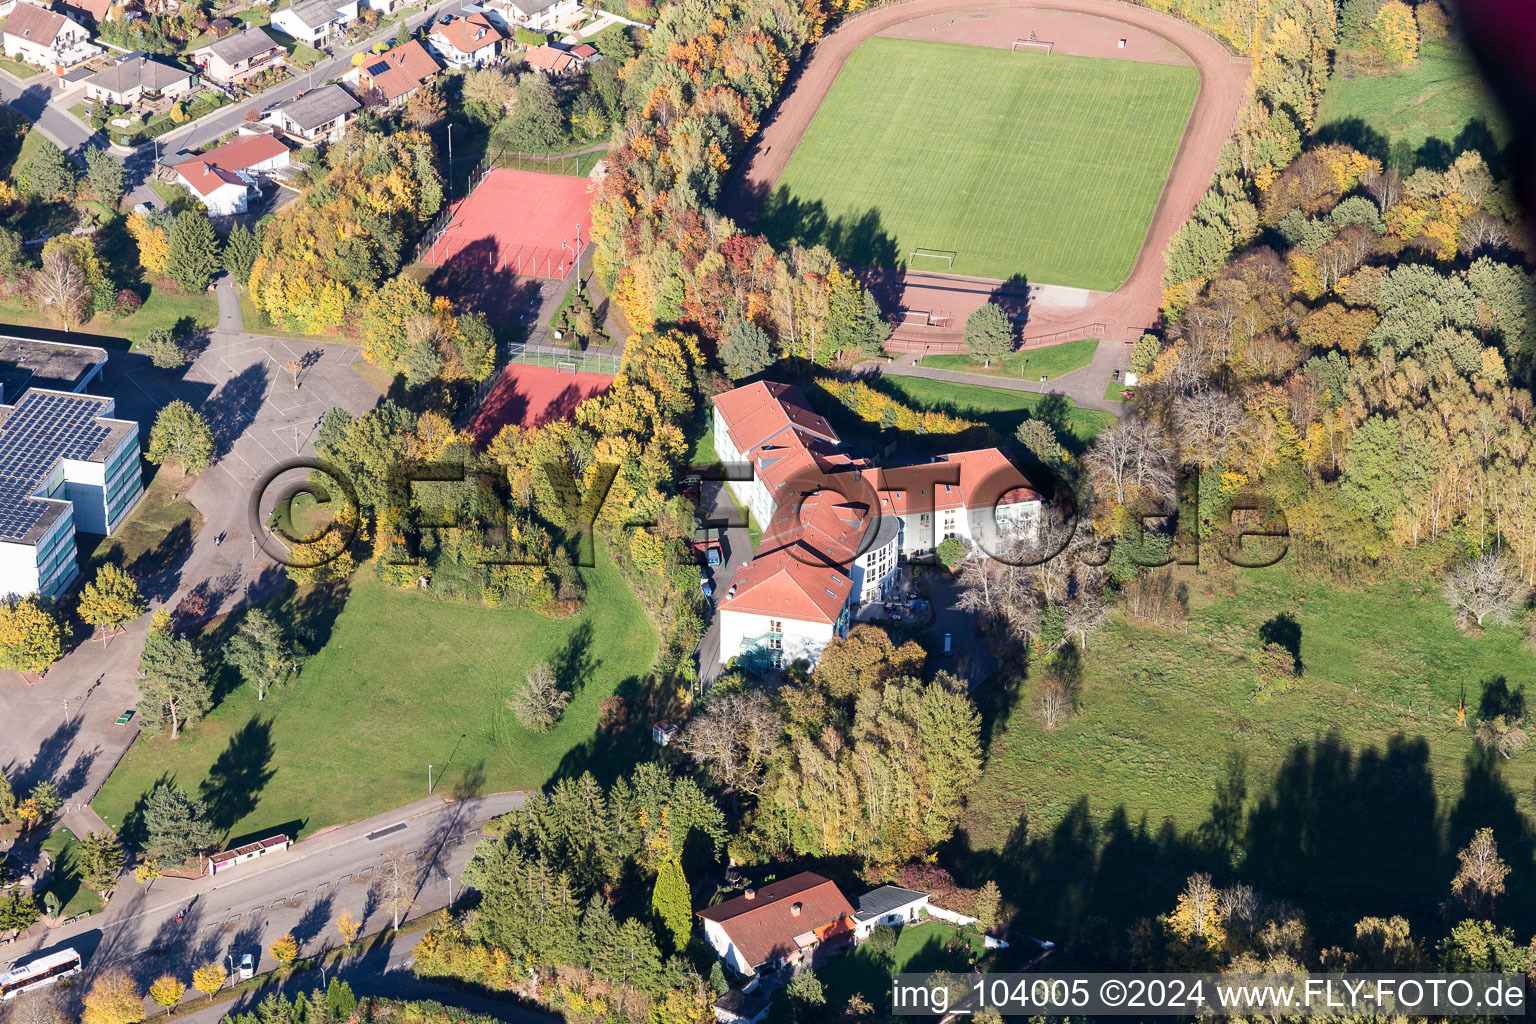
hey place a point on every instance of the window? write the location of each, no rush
(775, 626)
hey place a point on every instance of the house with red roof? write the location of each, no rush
(835, 529)
(395, 73)
(223, 178)
(779, 924)
(471, 41)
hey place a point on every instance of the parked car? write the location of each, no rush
(247, 967)
(707, 587)
(714, 557)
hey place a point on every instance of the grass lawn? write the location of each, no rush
(1021, 163)
(19, 69)
(1347, 794)
(1001, 410)
(160, 527)
(303, 55)
(401, 681)
(1436, 98)
(65, 882)
(1049, 362)
(164, 308)
(1114, 391)
(919, 949)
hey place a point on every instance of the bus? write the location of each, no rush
(39, 973)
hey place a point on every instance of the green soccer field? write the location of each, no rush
(1046, 166)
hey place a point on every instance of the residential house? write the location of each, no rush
(47, 39)
(313, 117)
(137, 77)
(550, 60)
(888, 905)
(223, 178)
(586, 53)
(316, 22)
(90, 13)
(834, 528)
(539, 15)
(238, 57)
(467, 42)
(779, 924)
(396, 73)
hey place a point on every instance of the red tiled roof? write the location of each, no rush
(547, 58)
(469, 34)
(246, 151)
(982, 477)
(785, 584)
(584, 51)
(767, 926)
(217, 166)
(205, 178)
(406, 67)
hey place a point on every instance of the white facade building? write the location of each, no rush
(66, 465)
(835, 529)
(316, 22)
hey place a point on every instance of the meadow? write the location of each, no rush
(400, 681)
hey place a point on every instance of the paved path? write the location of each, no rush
(1084, 385)
(63, 727)
(300, 891)
(42, 100)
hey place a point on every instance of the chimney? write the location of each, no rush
(750, 894)
(795, 909)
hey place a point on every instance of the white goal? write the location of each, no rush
(565, 366)
(1032, 43)
(934, 255)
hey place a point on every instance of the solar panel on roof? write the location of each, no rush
(379, 68)
(41, 429)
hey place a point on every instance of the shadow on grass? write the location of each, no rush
(1339, 833)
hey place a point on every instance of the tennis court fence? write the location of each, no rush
(563, 359)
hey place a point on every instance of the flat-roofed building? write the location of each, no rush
(67, 465)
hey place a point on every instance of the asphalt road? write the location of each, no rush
(384, 972)
(300, 891)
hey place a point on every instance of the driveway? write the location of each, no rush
(718, 509)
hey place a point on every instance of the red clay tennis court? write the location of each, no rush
(531, 396)
(515, 222)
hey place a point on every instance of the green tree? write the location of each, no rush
(538, 126)
(806, 995)
(164, 349)
(47, 173)
(176, 826)
(988, 334)
(261, 652)
(240, 252)
(101, 861)
(105, 176)
(175, 684)
(193, 254)
(747, 350)
(111, 599)
(31, 636)
(988, 903)
(181, 434)
(950, 552)
(671, 903)
(18, 909)
(1483, 947)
